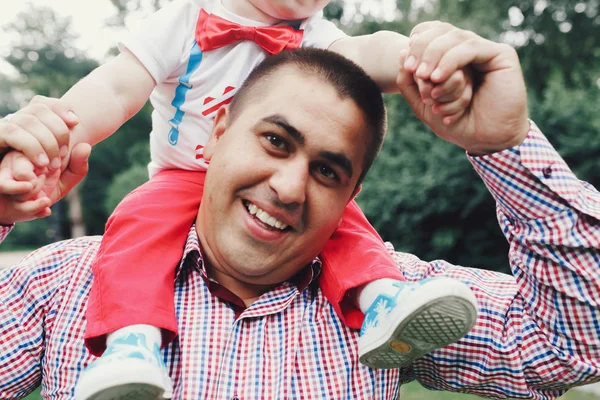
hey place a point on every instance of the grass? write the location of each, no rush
(414, 391)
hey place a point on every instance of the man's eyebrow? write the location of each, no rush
(337, 158)
(282, 122)
(340, 159)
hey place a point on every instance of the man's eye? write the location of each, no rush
(276, 141)
(327, 172)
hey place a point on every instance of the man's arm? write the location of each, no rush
(30, 295)
(537, 334)
(12, 211)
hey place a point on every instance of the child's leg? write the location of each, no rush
(135, 267)
(402, 320)
(353, 257)
(132, 295)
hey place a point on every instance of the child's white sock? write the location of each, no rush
(369, 292)
(152, 333)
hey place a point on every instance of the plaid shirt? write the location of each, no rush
(537, 333)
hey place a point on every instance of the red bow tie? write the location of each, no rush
(213, 32)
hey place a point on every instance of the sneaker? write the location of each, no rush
(128, 370)
(418, 318)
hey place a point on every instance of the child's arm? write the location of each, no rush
(108, 97)
(102, 102)
(378, 54)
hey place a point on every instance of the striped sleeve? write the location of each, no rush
(28, 292)
(538, 332)
(4, 231)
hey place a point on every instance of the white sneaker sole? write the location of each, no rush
(430, 326)
(132, 391)
(138, 381)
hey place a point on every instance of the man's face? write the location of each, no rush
(290, 9)
(280, 176)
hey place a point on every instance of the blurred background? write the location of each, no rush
(421, 194)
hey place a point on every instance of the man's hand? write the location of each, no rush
(496, 117)
(40, 131)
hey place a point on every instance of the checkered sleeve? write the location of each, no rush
(4, 231)
(538, 331)
(29, 293)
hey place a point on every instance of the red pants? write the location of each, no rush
(143, 245)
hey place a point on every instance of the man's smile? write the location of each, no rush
(263, 226)
(264, 216)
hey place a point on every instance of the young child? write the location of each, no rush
(189, 58)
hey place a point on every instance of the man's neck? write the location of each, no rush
(247, 292)
(245, 9)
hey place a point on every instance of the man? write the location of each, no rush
(266, 330)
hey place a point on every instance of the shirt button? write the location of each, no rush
(235, 397)
(547, 172)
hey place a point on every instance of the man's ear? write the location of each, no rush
(219, 128)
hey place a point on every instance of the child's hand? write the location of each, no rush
(494, 115)
(21, 182)
(17, 175)
(21, 188)
(448, 99)
(49, 187)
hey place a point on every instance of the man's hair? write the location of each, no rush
(348, 79)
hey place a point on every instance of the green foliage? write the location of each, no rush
(127, 147)
(570, 119)
(33, 234)
(124, 183)
(48, 63)
(45, 56)
(423, 195)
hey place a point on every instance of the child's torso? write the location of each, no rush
(192, 84)
(185, 104)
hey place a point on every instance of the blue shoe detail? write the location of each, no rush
(133, 346)
(385, 303)
(129, 367)
(415, 320)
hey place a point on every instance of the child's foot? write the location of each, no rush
(417, 319)
(128, 369)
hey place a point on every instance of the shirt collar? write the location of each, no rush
(192, 259)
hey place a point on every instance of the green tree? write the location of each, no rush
(421, 193)
(48, 64)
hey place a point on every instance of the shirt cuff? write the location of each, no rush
(531, 180)
(4, 231)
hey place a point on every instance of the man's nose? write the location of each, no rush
(290, 181)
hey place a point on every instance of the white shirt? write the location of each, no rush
(192, 85)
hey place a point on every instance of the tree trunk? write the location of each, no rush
(75, 213)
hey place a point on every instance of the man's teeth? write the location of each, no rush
(265, 217)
